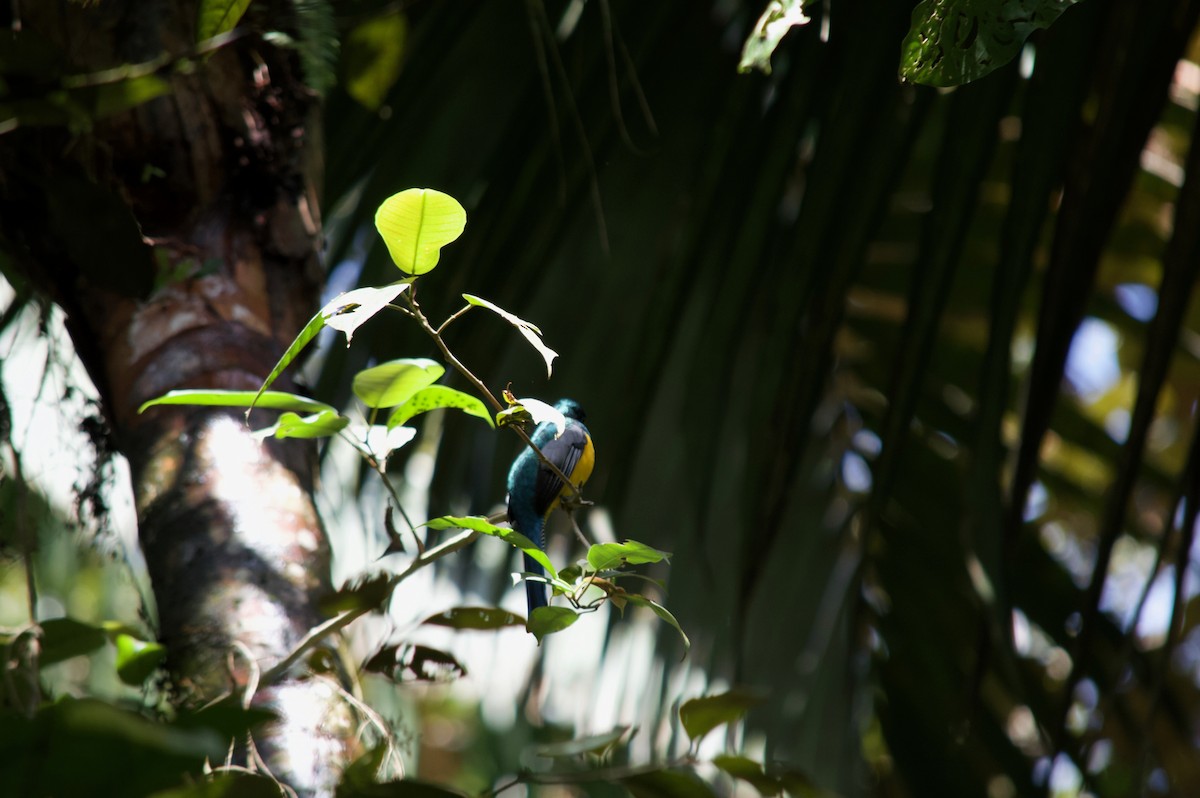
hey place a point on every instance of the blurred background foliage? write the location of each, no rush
(905, 378)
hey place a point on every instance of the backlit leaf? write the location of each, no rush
(415, 224)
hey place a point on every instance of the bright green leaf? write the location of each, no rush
(438, 396)
(137, 659)
(510, 536)
(415, 224)
(316, 425)
(394, 383)
(951, 42)
(271, 400)
(372, 55)
(592, 744)
(475, 618)
(548, 620)
(701, 715)
(531, 333)
(779, 17)
(218, 16)
(605, 556)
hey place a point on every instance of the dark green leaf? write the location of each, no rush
(408, 662)
(957, 41)
(548, 620)
(701, 715)
(475, 618)
(226, 785)
(667, 784)
(218, 16)
(749, 771)
(368, 592)
(64, 638)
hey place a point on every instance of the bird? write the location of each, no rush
(534, 490)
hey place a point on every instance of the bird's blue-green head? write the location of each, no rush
(571, 409)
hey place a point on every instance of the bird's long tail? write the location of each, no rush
(535, 592)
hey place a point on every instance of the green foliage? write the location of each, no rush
(110, 751)
(374, 55)
(957, 41)
(215, 17)
(395, 382)
(475, 618)
(779, 17)
(415, 224)
(528, 331)
(699, 716)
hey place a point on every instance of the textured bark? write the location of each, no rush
(220, 176)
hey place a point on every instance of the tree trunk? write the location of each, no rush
(218, 274)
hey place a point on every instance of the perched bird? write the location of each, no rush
(534, 490)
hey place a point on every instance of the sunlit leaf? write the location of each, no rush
(218, 16)
(699, 716)
(510, 536)
(475, 618)
(779, 17)
(952, 42)
(372, 55)
(605, 556)
(345, 312)
(315, 425)
(383, 441)
(271, 400)
(435, 397)
(137, 659)
(548, 620)
(393, 383)
(415, 224)
(592, 744)
(531, 333)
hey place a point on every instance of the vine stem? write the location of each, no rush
(411, 299)
(336, 624)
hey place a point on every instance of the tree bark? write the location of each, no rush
(218, 274)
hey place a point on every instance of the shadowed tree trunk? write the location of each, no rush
(181, 240)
